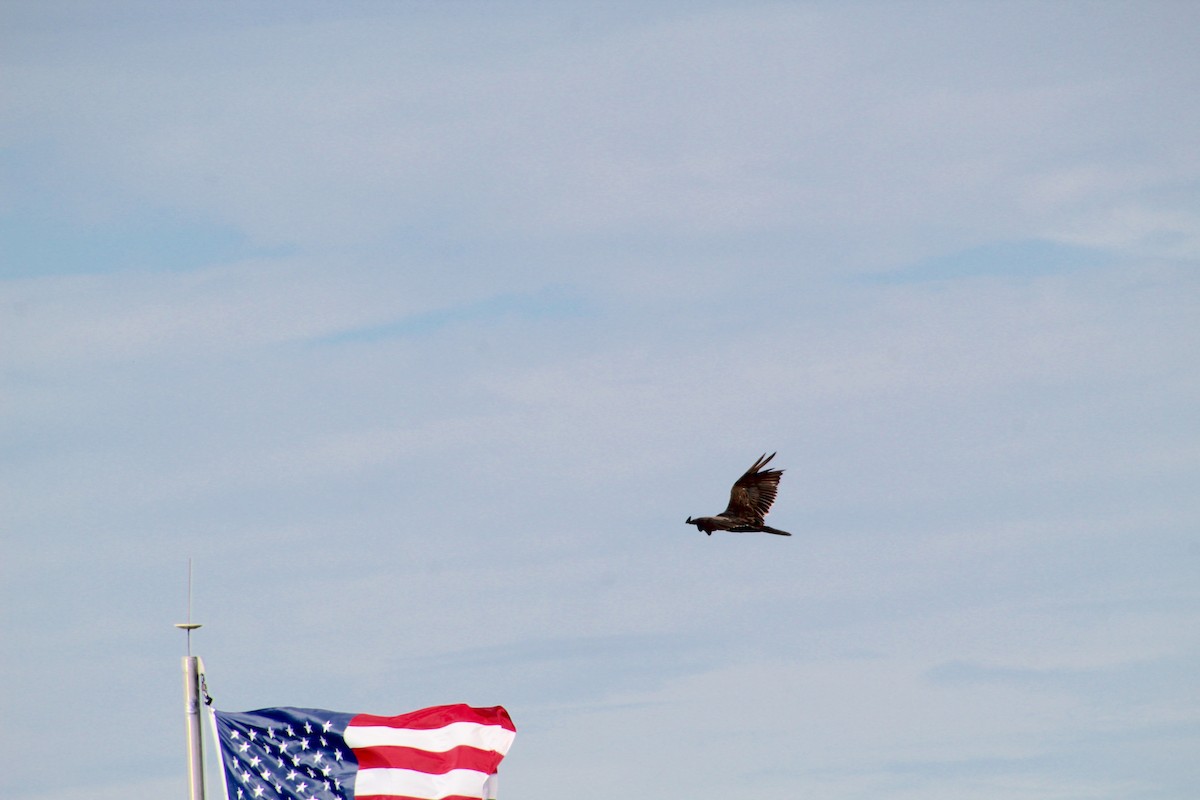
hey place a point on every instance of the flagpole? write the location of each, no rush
(191, 688)
(191, 707)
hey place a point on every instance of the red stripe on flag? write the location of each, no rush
(439, 717)
(485, 761)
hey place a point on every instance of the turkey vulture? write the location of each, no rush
(749, 501)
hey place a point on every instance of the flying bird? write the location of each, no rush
(749, 501)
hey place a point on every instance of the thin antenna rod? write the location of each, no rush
(189, 626)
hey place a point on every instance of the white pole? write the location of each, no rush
(191, 690)
(191, 702)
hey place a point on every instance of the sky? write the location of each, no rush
(420, 328)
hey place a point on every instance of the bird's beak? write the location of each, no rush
(687, 521)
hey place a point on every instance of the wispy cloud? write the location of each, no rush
(546, 304)
(1017, 259)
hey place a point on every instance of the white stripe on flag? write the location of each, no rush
(409, 783)
(437, 740)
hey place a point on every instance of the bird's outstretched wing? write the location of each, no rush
(754, 492)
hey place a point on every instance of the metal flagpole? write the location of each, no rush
(191, 687)
(191, 693)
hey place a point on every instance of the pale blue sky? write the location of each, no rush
(422, 327)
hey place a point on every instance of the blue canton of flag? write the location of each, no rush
(286, 754)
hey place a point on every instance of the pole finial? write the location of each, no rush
(189, 626)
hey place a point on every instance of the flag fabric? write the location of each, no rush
(439, 753)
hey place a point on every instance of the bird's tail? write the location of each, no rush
(776, 531)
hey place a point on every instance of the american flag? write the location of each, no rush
(440, 753)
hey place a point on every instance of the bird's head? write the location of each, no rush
(688, 521)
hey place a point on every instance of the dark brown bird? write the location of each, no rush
(749, 502)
